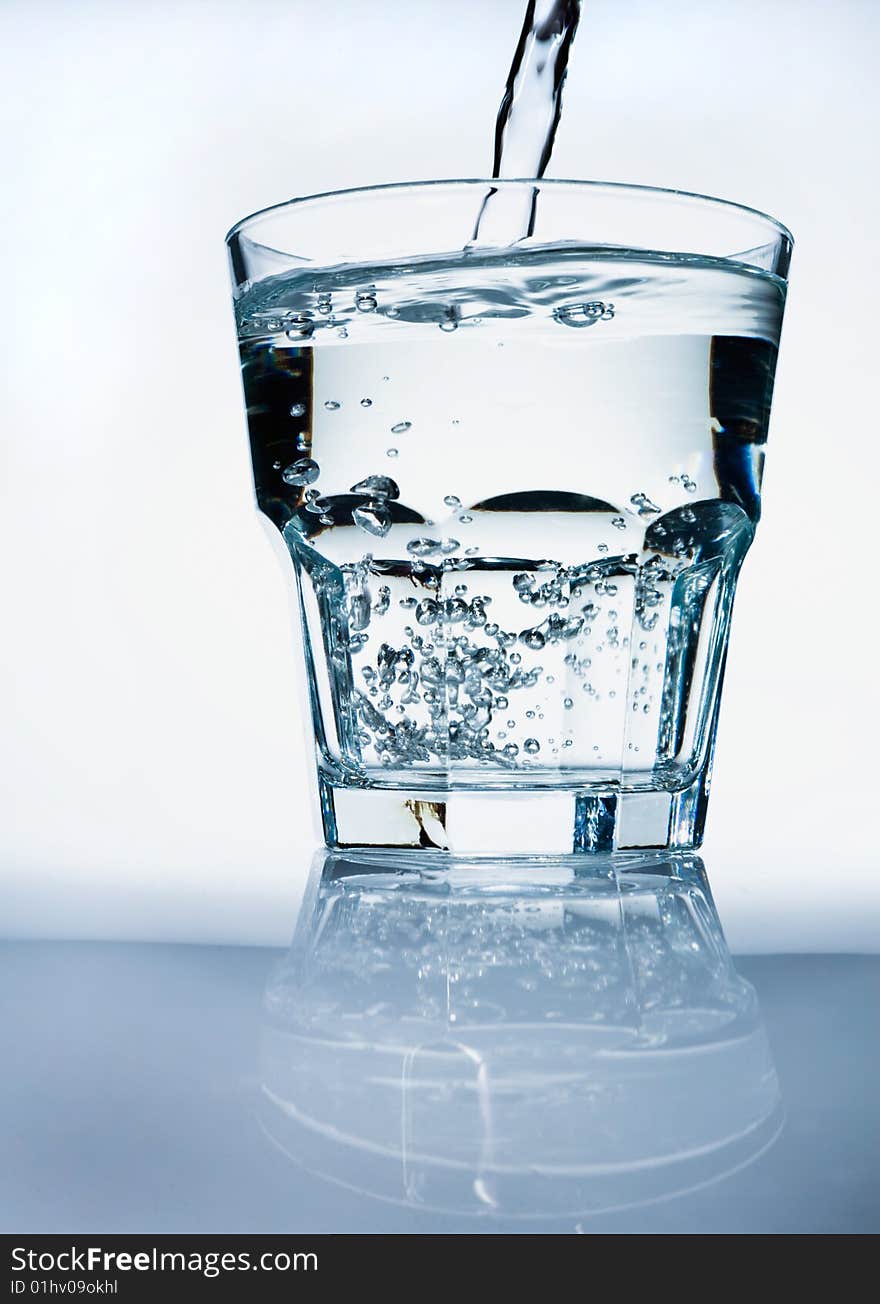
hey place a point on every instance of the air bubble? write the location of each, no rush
(391, 452)
(375, 519)
(427, 613)
(366, 402)
(401, 428)
(366, 301)
(331, 405)
(305, 471)
(465, 519)
(532, 746)
(298, 410)
(452, 501)
(300, 328)
(378, 486)
(318, 506)
(423, 547)
(533, 638)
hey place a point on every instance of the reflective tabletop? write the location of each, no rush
(487, 1052)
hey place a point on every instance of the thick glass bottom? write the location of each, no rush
(504, 823)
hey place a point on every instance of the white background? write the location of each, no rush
(154, 778)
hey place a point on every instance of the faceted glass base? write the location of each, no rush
(503, 823)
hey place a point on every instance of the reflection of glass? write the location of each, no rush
(572, 1045)
(517, 485)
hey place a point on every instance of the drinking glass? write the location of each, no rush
(516, 484)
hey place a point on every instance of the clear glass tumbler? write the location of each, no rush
(517, 485)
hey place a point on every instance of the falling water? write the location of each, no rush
(528, 117)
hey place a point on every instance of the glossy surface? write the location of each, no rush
(157, 1088)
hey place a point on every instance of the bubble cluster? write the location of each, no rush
(579, 315)
(644, 505)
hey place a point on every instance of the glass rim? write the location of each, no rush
(244, 224)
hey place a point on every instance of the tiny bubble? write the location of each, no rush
(298, 410)
(391, 452)
(331, 405)
(366, 402)
(401, 428)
